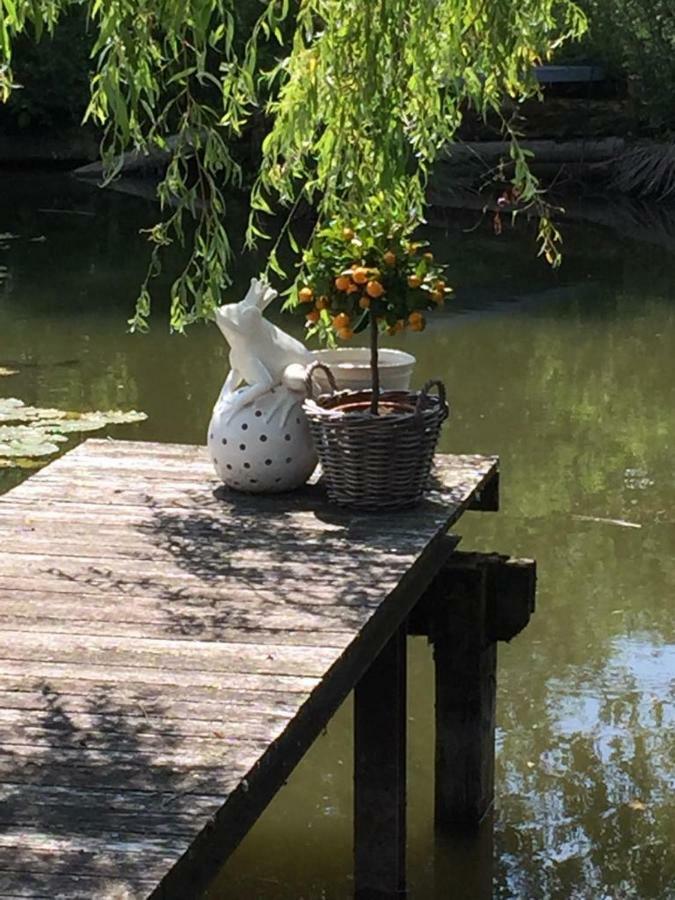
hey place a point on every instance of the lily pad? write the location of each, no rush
(91, 421)
(31, 433)
(21, 463)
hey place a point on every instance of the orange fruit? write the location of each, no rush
(414, 281)
(360, 275)
(342, 282)
(416, 321)
(429, 257)
(306, 295)
(348, 234)
(391, 331)
(352, 288)
(440, 285)
(374, 289)
(364, 302)
(312, 315)
(400, 324)
(322, 303)
(345, 334)
(341, 321)
(389, 258)
(437, 296)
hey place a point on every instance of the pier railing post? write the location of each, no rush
(380, 775)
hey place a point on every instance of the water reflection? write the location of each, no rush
(569, 377)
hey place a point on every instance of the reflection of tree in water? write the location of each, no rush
(586, 796)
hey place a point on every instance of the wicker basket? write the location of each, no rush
(369, 462)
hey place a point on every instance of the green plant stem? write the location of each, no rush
(374, 367)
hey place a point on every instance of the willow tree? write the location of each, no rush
(360, 98)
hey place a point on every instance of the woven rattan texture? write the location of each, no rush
(376, 462)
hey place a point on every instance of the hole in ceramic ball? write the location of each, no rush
(258, 413)
(287, 437)
(229, 467)
(224, 440)
(268, 462)
(297, 421)
(247, 465)
(253, 481)
(277, 480)
(215, 461)
(288, 459)
(242, 446)
(211, 436)
(263, 438)
(244, 426)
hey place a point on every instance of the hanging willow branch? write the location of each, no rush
(363, 97)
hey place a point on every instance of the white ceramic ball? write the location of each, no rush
(255, 455)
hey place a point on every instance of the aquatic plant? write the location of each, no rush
(29, 433)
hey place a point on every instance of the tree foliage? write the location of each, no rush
(360, 100)
(636, 40)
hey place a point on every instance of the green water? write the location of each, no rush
(570, 377)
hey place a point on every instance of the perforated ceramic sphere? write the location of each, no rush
(251, 454)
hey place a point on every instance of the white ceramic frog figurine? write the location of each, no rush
(259, 437)
(261, 354)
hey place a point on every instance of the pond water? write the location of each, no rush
(570, 378)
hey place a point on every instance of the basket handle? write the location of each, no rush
(309, 379)
(424, 393)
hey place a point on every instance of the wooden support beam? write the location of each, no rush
(510, 600)
(510, 594)
(379, 775)
(477, 600)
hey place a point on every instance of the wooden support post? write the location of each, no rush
(464, 863)
(379, 774)
(466, 681)
(477, 600)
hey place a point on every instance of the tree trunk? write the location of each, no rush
(374, 367)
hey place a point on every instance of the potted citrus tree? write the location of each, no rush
(376, 447)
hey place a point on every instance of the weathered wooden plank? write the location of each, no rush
(152, 709)
(176, 656)
(241, 568)
(100, 812)
(275, 693)
(190, 681)
(208, 629)
(170, 773)
(250, 594)
(227, 757)
(64, 886)
(43, 851)
(111, 726)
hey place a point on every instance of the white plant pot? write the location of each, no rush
(351, 368)
(262, 448)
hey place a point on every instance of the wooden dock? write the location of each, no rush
(169, 650)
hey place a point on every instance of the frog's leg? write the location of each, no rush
(262, 384)
(230, 386)
(293, 380)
